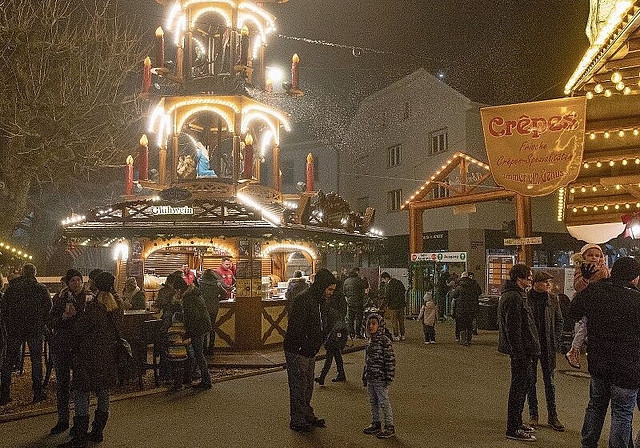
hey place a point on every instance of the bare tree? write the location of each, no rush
(68, 87)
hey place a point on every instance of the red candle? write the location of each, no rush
(160, 47)
(128, 176)
(143, 158)
(247, 171)
(310, 175)
(146, 77)
(294, 72)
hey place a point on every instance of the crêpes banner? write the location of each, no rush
(535, 148)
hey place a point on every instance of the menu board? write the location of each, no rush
(498, 267)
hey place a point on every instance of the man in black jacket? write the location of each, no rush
(301, 344)
(25, 308)
(518, 338)
(612, 309)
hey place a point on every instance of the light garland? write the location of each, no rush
(177, 242)
(605, 207)
(586, 164)
(288, 247)
(266, 214)
(622, 132)
(561, 204)
(74, 219)
(274, 113)
(605, 34)
(456, 156)
(15, 251)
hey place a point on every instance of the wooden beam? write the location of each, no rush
(462, 200)
(416, 230)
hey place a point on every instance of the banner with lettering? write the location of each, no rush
(535, 148)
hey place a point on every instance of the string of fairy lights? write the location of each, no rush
(14, 251)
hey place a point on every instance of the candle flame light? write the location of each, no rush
(129, 160)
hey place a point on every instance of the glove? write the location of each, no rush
(587, 270)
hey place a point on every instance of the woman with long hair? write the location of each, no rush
(95, 366)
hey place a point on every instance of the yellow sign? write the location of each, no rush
(535, 148)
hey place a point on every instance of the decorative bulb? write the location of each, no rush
(616, 77)
(592, 136)
(573, 190)
(574, 210)
(589, 95)
(606, 134)
(626, 90)
(624, 161)
(584, 209)
(620, 86)
(636, 132)
(621, 133)
(594, 188)
(599, 164)
(598, 88)
(606, 207)
(595, 208)
(611, 163)
(607, 93)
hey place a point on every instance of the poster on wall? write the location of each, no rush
(535, 148)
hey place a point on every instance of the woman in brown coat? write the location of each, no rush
(95, 366)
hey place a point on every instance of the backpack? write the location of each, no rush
(337, 338)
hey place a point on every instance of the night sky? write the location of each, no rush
(493, 51)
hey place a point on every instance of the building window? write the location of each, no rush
(362, 204)
(394, 199)
(439, 141)
(394, 156)
(407, 111)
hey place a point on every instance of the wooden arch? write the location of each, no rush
(467, 189)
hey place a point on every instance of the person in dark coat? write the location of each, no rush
(302, 341)
(612, 309)
(393, 296)
(354, 289)
(549, 322)
(296, 285)
(518, 338)
(25, 307)
(465, 297)
(61, 320)
(335, 334)
(168, 302)
(95, 364)
(197, 324)
(212, 292)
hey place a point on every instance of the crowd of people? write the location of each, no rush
(83, 324)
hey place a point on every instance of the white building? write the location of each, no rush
(403, 134)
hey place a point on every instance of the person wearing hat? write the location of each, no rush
(95, 366)
(589, 268)
(612, 308)
(302, 341)
(25, 307)
(548, 319)
(62, 317)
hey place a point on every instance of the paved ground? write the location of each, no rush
(444, 395)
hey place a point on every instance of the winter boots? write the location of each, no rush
(80, 437)
(99, 422)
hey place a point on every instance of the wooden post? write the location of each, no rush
(276, 167)
(523, 228)
(415, 230)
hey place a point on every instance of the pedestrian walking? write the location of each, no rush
(428, 316)
(25, 307)
(335, 336)
(301, 344)
(549, 323)
(95, 364)
(518, 338)
(393, 293)
(612, 309)
(379, 371)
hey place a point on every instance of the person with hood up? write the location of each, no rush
(378, 373)
(465, 299)
(302, 341)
